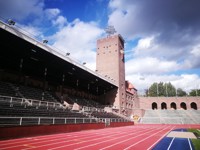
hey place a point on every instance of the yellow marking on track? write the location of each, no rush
(29, 146)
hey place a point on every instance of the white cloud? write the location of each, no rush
(145, 47)
(186, 82)
(60, 21)
(32, 31)
(196, 51)
(21, 9)
(150, 65)
(167, 43)
(79, 38)
(52, 13)
(145, 43)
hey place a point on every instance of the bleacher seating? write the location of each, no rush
(31, 113)
(104, 114)
(6, 89)
(23, 105)
(13, 90)
(171, 116)
(85, 102)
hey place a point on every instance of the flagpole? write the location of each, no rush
(157, 89)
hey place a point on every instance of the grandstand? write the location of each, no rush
(170, 110)
(41, 86)
(171, 117)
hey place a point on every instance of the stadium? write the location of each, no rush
(46, 96)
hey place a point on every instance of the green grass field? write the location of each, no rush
(196, 142)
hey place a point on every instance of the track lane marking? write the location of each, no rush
(189, 144)
(110, 135)
(81, 142)
(71, 138)
(112, 140)
(160, 139)
(170, 143)
(144, 139)
(54, 138)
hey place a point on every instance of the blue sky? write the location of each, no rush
(162, 37)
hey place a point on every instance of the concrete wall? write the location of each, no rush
(146, 102)
(27, 131)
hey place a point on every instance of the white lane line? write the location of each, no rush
(123, 141)
(114, 139)
(94, 135)
(77, 139)
(56, 138)
(33, 141)
(76, 143)
(144, 139)
(43, 137)
(48, 138)
(160, 139)
(170, 144)
(92, 140)
(190, 144)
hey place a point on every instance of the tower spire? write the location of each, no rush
(110, 30)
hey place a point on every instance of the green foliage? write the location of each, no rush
(195, 142)
(195, 92)
(164, 89)
(181, 93)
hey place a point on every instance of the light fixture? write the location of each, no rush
(122, 51)
(67, 54)
(84, 63)
(11, 22)
(45, 41)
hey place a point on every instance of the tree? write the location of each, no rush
(164, 89)
(170, 90)
(152, 91)
(195, 92)
(181, 93)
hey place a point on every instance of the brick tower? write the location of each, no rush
(110, 63)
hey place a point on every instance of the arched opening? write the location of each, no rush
(154, 105)
(183, 106)
(173, 105)
(193, 105)
(163, 105)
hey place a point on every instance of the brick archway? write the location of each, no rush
(173, 105)
(183, 105)
(154, 105)
(193, 105)
(163, 105)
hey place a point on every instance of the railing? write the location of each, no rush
(91, 109)
(29, 101)
(20, 121)
(167, 120)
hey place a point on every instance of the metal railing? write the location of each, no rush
(20, 121)
(167, 120)
(30, 102)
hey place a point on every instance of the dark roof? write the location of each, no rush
(14, 48)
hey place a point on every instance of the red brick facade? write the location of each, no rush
(110, 63)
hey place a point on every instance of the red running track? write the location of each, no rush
(137, 137)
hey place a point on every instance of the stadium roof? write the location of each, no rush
(17, 46)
